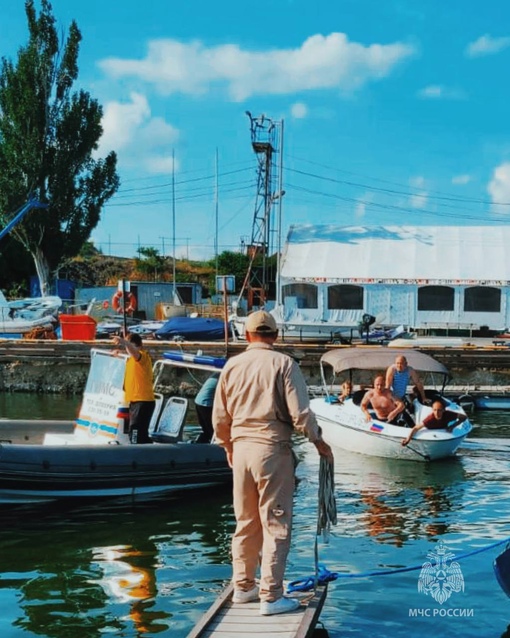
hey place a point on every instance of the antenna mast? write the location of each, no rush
(266, 139)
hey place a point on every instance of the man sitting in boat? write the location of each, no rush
(439, 419)
(386, 406)
(399, 375)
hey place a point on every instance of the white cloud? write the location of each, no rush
(321, 62)
(461, 180)
(129, 129)
(487, 45)
(417, 182)
(157, 133)
(121, 119)
(299, 111)
(162, 164)
(439, 92)
(499, 187)
(362, 204)
(419, 199)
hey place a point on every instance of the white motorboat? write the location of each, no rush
(318, 331)
(304, 331)
(344, 425)
(21, 316)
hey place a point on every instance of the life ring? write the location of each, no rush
(130, 300)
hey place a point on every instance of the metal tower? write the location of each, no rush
(266, 140)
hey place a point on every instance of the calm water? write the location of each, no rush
(132, 570)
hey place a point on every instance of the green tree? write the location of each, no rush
(15, 269)
(232, 263)
(150, 262)
(48, 134)
(89, 250)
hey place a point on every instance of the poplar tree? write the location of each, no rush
(48, 135)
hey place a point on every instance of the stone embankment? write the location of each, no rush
(62, 366)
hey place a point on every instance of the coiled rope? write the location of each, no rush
(326, 517)
(327, 514)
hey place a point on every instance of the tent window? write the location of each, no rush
(304, 294)
(482, 299)
(345, 297)
(435, 298)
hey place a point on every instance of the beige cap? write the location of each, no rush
(260, 322)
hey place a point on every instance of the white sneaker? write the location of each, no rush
(240, 596)
(280, 606)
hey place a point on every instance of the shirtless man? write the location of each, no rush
(386, 406)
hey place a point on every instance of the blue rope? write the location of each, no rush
(325, 576)
(305, 584)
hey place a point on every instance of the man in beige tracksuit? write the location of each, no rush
(260, 399)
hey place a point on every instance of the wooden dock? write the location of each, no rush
(482, 354)
(62, 366)
(225, 619)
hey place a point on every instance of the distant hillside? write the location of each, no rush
(103, 270)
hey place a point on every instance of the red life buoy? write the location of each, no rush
(130, 301)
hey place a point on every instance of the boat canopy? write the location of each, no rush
(379, 359)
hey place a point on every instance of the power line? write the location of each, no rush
(183, 198)
(187, 172)
(389, 207)
(439, 194)
(418, 193)
(181, 182)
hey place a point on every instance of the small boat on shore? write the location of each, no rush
(492, 402)
(193, 329)
(344, 425)
(97, 459)
(472, 402)
(21, 316)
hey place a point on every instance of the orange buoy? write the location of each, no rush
(130, 302)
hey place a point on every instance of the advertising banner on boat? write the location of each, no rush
(103, 398)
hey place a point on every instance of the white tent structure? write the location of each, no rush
(428, 277)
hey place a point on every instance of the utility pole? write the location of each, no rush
(173, 224)
(216, 216)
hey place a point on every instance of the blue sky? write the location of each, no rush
(394, 111)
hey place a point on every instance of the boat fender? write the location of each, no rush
(130, 300)
(176, 355)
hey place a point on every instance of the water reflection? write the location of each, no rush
(92, 571)
(395, 501)
(129, 576)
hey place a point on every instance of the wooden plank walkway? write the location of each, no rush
(483, 354)
(225, 619)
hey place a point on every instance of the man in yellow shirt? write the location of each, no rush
(138, 388)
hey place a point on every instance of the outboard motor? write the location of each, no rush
(364, 325)
(467, 403)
